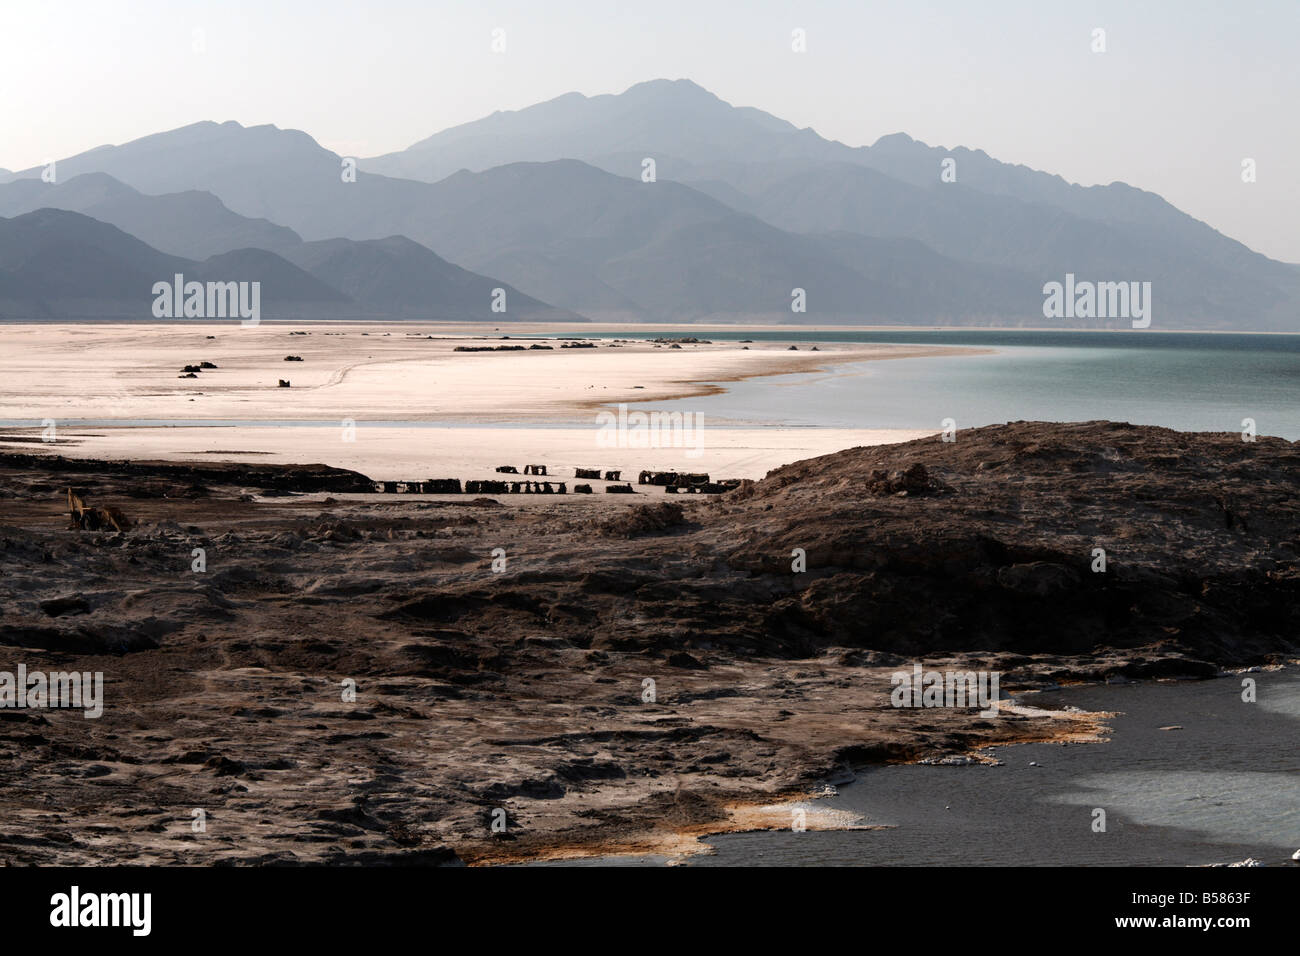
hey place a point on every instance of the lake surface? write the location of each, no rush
(1188, 381)
(1223, 788)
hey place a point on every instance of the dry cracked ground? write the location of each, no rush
(522, 693)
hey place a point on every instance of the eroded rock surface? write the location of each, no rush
(525, 692)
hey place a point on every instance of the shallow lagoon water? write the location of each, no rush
(1187, 381)
(1224, 787)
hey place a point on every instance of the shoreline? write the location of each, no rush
(677, 846)
(462, 414)
(115, 372)
(758, 816)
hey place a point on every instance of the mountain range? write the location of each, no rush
(75, 250)
(744, 209)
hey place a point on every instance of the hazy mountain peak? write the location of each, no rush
(891, 140)
(662, 88)
(213, 143)
(52, 219)
(190, 223)
(98, 181)
(665, 119)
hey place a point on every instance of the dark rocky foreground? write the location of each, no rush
(522, 691)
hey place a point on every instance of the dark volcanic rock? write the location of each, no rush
(67, 604)
(644, 519)
(290, 477)
(1198, 531)
(915, 480)
(370, 658)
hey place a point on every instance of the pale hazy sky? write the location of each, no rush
(1185, 91)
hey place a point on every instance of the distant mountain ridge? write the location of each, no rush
(60, 264)
(678, 123)
(746, 208)
(599, 245)
(193, 224)
(746, 158)
(398, 277)
(691, 133)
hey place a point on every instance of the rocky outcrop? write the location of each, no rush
(1034, 537)
(128, 473)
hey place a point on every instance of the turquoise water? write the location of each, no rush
(1187, 381)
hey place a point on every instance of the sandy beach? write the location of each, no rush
(421, 408)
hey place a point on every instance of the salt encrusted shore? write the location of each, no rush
(376, 372)
(420, 408)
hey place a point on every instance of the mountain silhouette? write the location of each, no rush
(744, 208)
